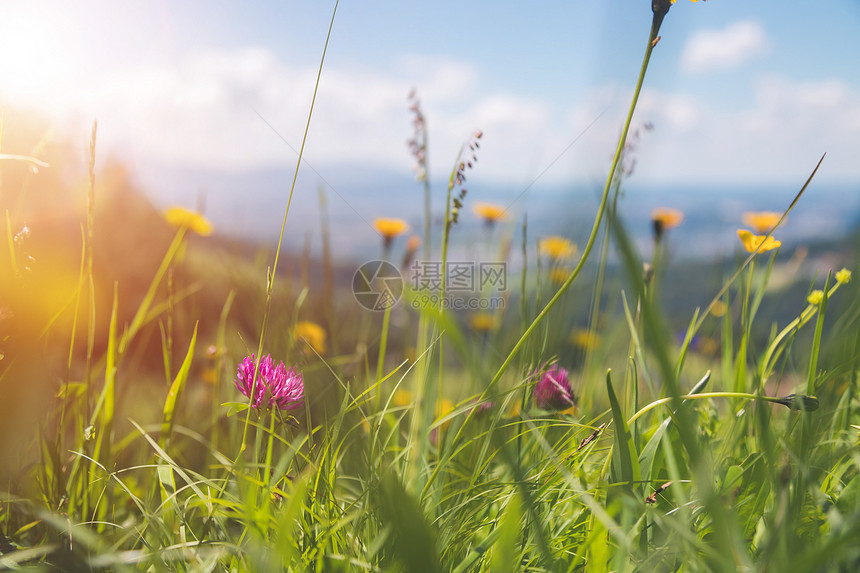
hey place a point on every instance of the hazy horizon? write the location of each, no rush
(251, 205)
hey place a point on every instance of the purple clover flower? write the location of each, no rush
(552, 391)
(277, 386)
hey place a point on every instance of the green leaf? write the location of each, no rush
(413, 543)
(505, 549)
(175, 392)
(649, 452)
(849, 499)
(106, 404)
(625, 460)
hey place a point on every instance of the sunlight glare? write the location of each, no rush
(37, 56)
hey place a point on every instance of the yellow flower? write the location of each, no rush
(443, 408)
(413, 243)
(313, 334)
(209, 375)
(558, 248)
(559, 275)
(719, 309)
(761, 221)
(181, 217)
(482, 321)
(490, 212)
(815, 297)
(663, 219)
(390, 228)
(585, 339)
(402, 398)
(843, 276)
(752, 242)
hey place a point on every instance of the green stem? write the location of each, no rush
(795, 324)
(745, 395)
(752, 255)
(380, 363)
(427, 215)
(816, 340)
(444, 283)
(652, 37)
(271, 279)
(601, 210)
(266, 478)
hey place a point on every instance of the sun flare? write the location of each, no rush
(38, 56)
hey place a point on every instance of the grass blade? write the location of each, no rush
(175, 392)
(625, 460)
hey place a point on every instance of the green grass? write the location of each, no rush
(127, 446)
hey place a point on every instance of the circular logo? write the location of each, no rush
(377, 285)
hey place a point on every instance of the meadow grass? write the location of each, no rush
(428, 440)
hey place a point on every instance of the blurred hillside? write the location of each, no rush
(45, 208)
(44, 309)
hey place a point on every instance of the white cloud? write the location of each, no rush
(779, 138)
(728, 48)
(677, 112)
(202, 112)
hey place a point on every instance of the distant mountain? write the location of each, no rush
(251, 205)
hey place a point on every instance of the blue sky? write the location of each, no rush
(739, 93)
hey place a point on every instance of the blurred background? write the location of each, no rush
(204, 104)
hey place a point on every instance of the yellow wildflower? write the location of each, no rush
(490, 212)
(413, 243)
(482, 321)
(210, 372)
(390, 228)
(761, 221)
(209, 375)
(585, 339)
(843, 276)
(663, 219)
(313, 334)
(815, 297)
(752, 242)
(181, 217)
(443, 408)
(557, 248)
(719, 309)
(402, 398)
(559, 275)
